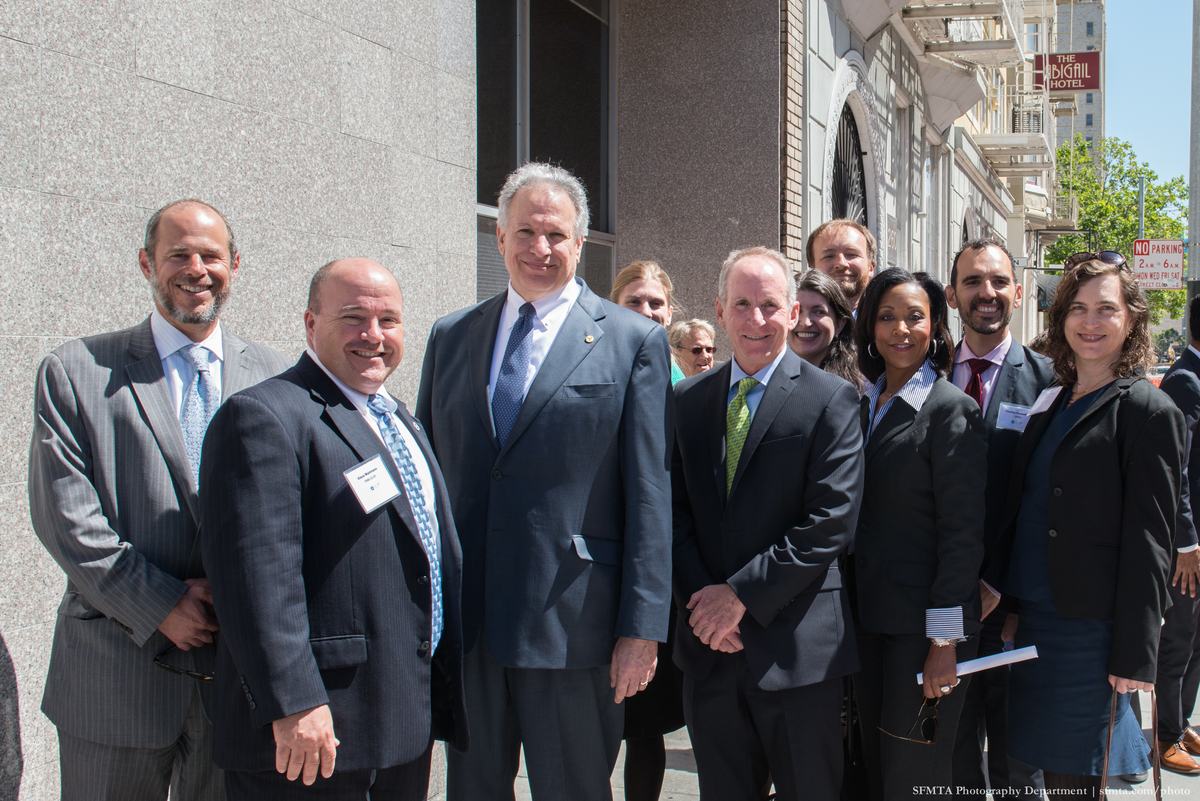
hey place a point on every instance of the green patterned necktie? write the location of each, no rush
(737, 424)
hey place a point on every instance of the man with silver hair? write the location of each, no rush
(549, 409)
(113, 496)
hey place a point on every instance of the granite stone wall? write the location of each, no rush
(321, 129)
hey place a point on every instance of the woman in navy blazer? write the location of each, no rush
(1086, 540)
(919, 541)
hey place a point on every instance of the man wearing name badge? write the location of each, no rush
(550, 411)
(1178, 647)
(1005, 379)
(120, 419)
(844, 250)
(767, 480)
(335, 566)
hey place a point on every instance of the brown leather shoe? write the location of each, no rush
(1190, 741)
(1174, 758)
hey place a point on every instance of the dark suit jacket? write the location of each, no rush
(1022, 378)
(919, 541)
(566, 529)
(113, 499)
(1114, 490)
(319, 601)
(1182, 385)
(790, 513)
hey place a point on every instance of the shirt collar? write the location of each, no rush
(544, 306)
(1193, 350)
(914, 392)
(996, 356)
(355, 397)
(763, 376)
(168, 339)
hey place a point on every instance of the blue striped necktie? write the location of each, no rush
(509, 392)
(200, 401)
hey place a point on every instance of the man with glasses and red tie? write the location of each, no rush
(1005, 379)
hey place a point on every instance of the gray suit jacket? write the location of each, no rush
(113, 499)
(566, 530)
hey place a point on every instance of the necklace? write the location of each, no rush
(1079, 393)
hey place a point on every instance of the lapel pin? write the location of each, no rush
(589, 339)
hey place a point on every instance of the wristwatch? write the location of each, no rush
(944, 642)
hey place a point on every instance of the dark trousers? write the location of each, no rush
(565, 720)
(97, 772)
(1178, 665)
(744, 737)
(985, 716)
(407, 782)
(889, 697)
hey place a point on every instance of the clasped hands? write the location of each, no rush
(716, 615)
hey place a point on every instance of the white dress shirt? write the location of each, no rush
(550, 312)
(179, 371)
(962, 371)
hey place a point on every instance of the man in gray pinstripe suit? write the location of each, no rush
(112, 494)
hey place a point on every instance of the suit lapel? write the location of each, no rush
(481, 344)
(145, 375)
(1006, 383)
(1034, 431)
(1106, 397)
(718, 406)
(235, 365)
(570, 347)
(899, 417)
(783, 381)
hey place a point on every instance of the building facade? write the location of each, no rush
(1080, 28)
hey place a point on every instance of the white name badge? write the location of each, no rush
(1045, 400)
(371, 483)
(1012, 417)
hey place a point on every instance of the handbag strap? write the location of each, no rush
(1155, 764)
(1112, 717)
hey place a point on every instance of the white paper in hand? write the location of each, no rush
(372, 484)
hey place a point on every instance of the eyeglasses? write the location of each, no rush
(926, 725)
(1106, 256)
(158, 661)
(696, 351)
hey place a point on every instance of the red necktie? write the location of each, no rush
(975, 385)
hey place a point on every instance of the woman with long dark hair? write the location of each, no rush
(824, 335)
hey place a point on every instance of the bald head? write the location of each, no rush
(354, 324)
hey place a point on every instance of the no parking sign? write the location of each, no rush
(1158, 263)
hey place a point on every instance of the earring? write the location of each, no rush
(874, 355)
(933, 348)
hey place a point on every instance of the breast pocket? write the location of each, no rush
(587, 391)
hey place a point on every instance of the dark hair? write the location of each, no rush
(150, 242)
(841, 222)
(979, 244)
(1194, 317)
(1138, 349)
(842, 357)
(314, 286)
(941, 350)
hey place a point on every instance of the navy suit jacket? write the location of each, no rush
(775, 539)
(319, 601)
(566, 530)
(1182, 384)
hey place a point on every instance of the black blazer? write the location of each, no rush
(1182, 385)
(775, 540)
(319, 601)
(1114, 489)
(919, 542)
(1022, 378)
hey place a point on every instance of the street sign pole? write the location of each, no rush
(1141, 207)
(1193, 276)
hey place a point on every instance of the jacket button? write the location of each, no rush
(424, 647)
(864, 526)
(423, 580)
(862, 561)
(1058, 492)
(1053, 533)
(496, 474)
(253, 705)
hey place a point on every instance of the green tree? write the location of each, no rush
(1104, 176)
(1167, 337)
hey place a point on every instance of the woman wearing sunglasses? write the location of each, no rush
(824, 334)
(919, 541)
(1086, 542)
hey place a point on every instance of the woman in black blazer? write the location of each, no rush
(1086, 542)
(919, 541)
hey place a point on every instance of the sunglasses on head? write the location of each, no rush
(1106, 256)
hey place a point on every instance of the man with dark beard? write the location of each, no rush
(845, 251)
(1005, 379)
(120, 418)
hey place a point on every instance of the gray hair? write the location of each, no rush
(150, 243)
(538, 173)
(789, 274)
(679, 331)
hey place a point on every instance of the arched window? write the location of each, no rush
(849, 198)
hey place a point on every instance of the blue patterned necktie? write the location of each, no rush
(200, 401)
(509, 392)
(416, 501)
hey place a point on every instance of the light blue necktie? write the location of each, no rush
(416, 501)
(509, 392)
(200, 401)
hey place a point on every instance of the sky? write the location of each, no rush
(1148, 71)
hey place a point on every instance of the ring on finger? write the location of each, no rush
(946, 688)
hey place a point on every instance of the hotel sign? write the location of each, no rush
(1067, 72)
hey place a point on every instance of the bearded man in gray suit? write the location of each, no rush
(120, 419)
